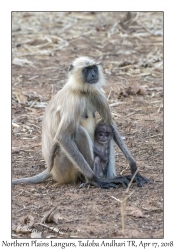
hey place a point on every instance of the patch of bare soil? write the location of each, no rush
(130, 47)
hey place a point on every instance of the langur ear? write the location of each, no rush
(71, 67)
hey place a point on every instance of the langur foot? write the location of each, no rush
(139, 179)
(120, 180)
(103, 183)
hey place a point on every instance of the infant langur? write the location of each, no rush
(102, 137)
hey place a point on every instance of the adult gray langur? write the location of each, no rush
(68, 131)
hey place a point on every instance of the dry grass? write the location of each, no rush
(130, 46)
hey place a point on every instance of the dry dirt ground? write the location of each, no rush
(130, 46)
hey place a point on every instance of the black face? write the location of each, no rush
(90, 74)
(103, 134)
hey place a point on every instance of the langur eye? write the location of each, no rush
(95, 69)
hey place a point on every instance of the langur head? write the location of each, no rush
(86, 74)
(103, 133)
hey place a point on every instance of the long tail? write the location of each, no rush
(34, 179)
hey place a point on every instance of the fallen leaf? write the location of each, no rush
(136, 213)
(133, 89)
(52, 216)
(21, 62)
(22, 98)
(15, 27)
(15, 150)
(50, 236)
(36, 145)
(153, 209)
(15, 124)
(28, 220)
(21, 229)
(35, 235)
(142, 91)
(14, 235)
